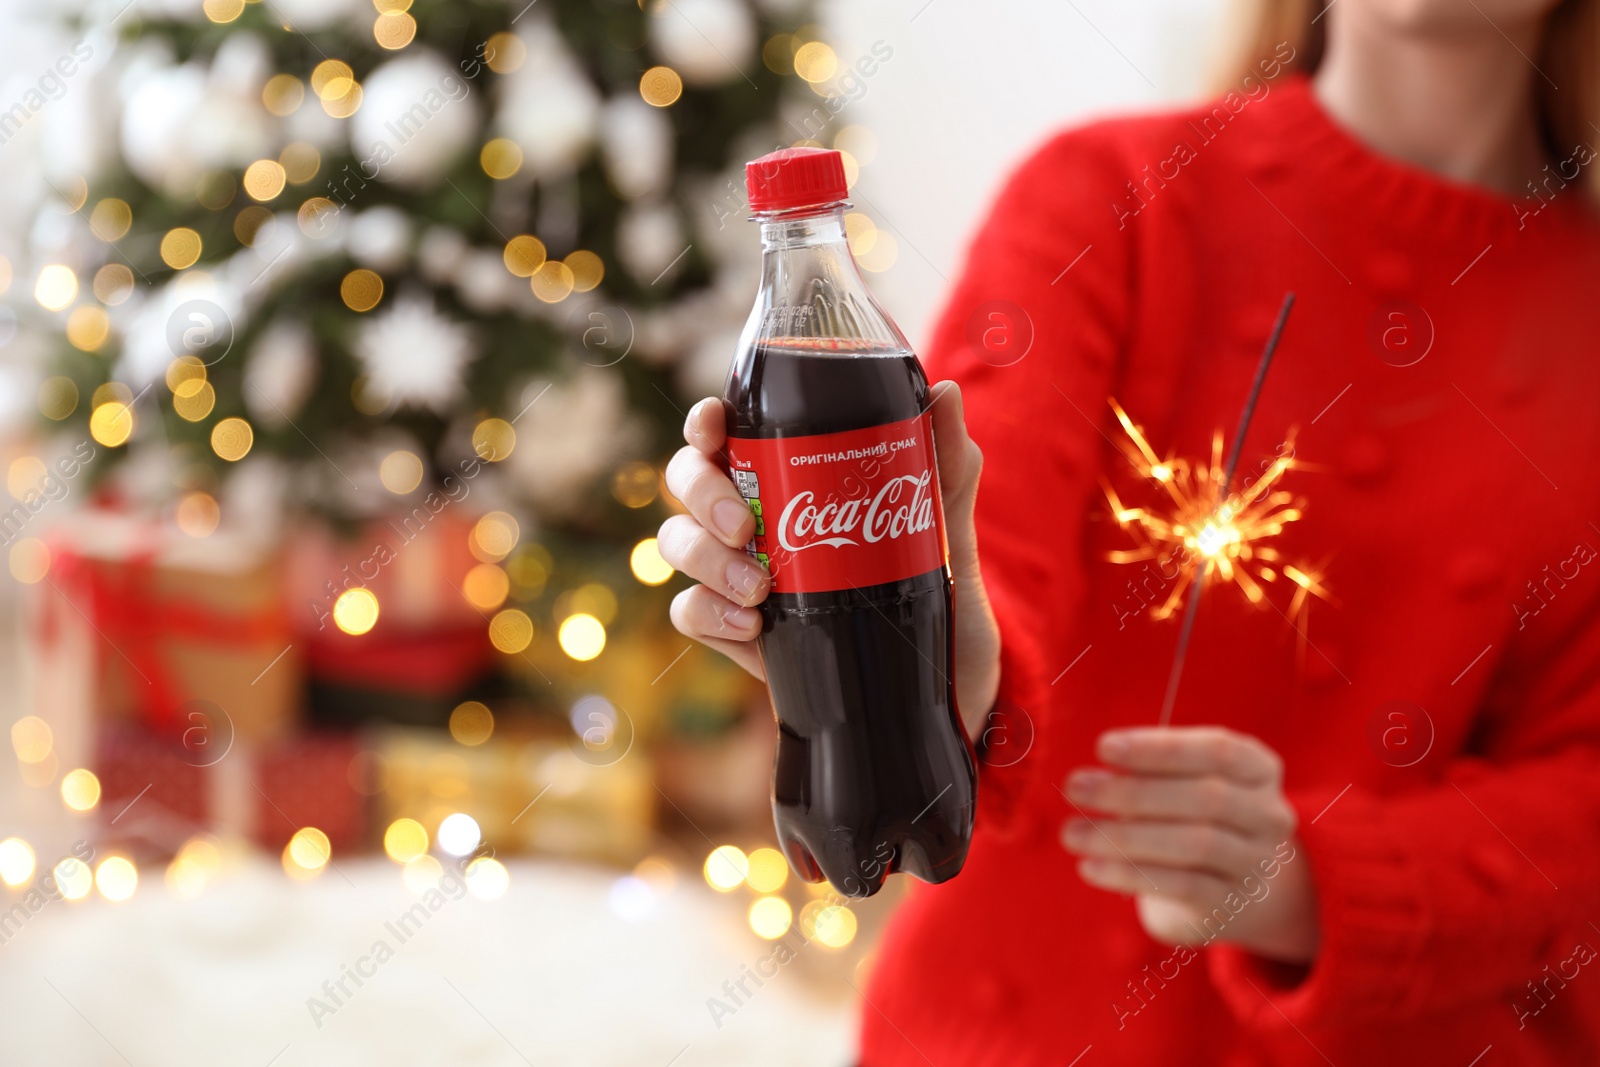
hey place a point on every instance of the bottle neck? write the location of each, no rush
(814, 228)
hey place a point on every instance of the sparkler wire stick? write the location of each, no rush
(1192, 609)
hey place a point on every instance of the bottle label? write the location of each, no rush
(843, 510)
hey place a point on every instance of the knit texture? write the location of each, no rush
(1441, 369)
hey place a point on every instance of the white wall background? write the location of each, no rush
(974, 84)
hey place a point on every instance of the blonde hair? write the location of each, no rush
(1568, 55)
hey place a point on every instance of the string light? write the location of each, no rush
(647, 564)
(356, 611)
(74, 878)
(583, 637)
(511, 631)
(116, 878)
(471, 723)
(487, 878)
(231, 439)
(459, 834)
(16, 861)
(768, 870)
(110, 219)
(726, 868)
(771, 917)
(486, 586)
(56, 288)
(80, 789)
(58, 397)
(660, 86)
(31, 739)
(405, 840)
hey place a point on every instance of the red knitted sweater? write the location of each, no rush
(1453, 509)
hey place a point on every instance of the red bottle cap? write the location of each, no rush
(794, 177)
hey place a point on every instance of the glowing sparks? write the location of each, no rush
(1211, 536)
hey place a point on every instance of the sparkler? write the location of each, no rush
(1223, 533)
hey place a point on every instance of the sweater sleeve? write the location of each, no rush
(1032, 331)
(1462, 890)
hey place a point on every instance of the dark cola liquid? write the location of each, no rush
(873, 772)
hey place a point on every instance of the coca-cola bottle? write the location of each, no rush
(830, 443)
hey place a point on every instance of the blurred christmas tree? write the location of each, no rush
(343, 257)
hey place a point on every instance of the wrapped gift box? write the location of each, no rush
(137, 622)
(533, 794)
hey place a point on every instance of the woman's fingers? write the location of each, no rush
(959, 458)
(706, 428)
(690, 548)
(1250, 811)
(721, 624)
(1119, 876)
(1187, 846)
(1191, 752)
(706, 490)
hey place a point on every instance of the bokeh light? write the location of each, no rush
(111, 424)
(307, 853)
(770, 917)
(80, 789)
(74, 878)
(459, 834)
(32, 739)
(110, 219)
(356, 611)
(504, 52)
(56, 288)
(116, 878)
(88, 327)
(768, 870)
(511, 631)
(400, 472)
(493, 439)
(486, 586)
(582, 636)
(660, 86)
(283, 94)
(494, 536)
(405, 840)
(647, 564)
(29, 560)
(524, 254)
(231, 439)
(181, 246)
(17, 861)
(264, 179)
(487, 878)
(113, 283)
(501, 158)
(726, 868)
(394, 29)
(361, 290)
(471, 723)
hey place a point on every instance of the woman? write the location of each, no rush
(1373, 833)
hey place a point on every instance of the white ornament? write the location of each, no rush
(379, 237)
(636, 142)
(279, 372)
(441, 252)
(708, 42)
(484, 284)
(306, 15)
(549, 107)
(576, 431)
(155, 128)
(193, 313)
(649, 239)
(414, 356)
(417, 116)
